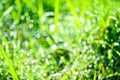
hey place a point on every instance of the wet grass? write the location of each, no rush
(59, 40)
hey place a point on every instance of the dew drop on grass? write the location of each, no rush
(47, 62)
(38, 35)
(84, 43)
(65, 44)
(52, 28)
(33, 70)
(44, 74)
(49, 56)
(3, 43)
(54, 47)
(85, 47)
(116, 44)
(13, 34)
(31, 26)
(28, 67)
(14, 46)
(82, 20)
(22, 17)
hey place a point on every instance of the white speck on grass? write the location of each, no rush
(26, 43)
(49, 56)
(30, 26)
(54, 47)
(34, 70)
(13, 34)
(86, 29)
(33, 61)
(85, 47)
(116, 44)
(84, 42)
(8, 11)
(65, 44)
(82, 20)
(37, 35)
(47, 62)
(90, 50)
(28, 67)
(14, 46)
(44, 74)
(52, 28)
(22, 17)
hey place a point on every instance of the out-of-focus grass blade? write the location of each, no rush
(9, 63)
(77, 22)
(95, 76)
(8, 11)
(40, 8)
(30, 4)
(56, 19)
(105, 43)
(111, 75)
(19, 5)
(17, 15)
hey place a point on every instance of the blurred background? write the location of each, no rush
(59, 40)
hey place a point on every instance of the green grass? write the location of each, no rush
(74, 13)
(59, 40)
(56, 19)
(9, 63)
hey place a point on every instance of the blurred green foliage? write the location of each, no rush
(59, 40)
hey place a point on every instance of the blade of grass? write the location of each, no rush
(72, 9)
(40, 8)
(19, 6)
(16, 15)
(111, 75)
(30, 4)
(105, 43)
(95, 76)
(8, 11)
(9, 63)
(56, 18)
